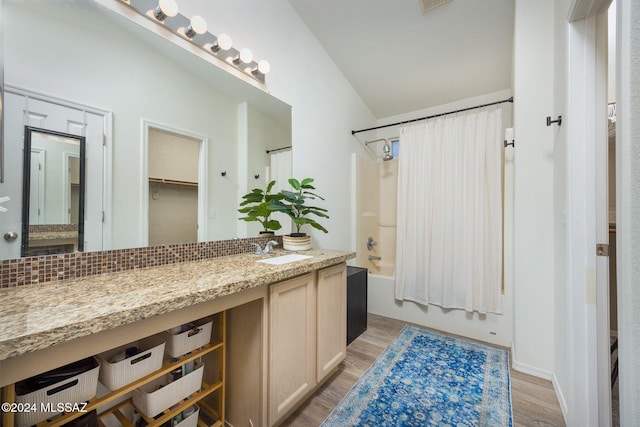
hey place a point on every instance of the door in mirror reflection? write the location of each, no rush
(23, 108)
(53, 199)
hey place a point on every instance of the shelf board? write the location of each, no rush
(204, 391)
(173, 182)
(167, 367)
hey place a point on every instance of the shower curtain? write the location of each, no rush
(449, 234)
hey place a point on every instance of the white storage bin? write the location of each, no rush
(191, 420)
(115, 375)
(184, 342)
(151, 400)
(76, 389)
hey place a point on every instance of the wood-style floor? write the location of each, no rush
(533, 399)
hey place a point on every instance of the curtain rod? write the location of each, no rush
(353, 132)
(278, 149)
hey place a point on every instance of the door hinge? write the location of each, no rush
(602, 249)
(102, 216)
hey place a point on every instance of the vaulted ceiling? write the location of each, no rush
(400, 59)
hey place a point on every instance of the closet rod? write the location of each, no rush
(353, 132)
(278, 149)
(173, 182)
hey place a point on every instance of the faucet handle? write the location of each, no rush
(258, 250)
(269, 246)
(371, 243)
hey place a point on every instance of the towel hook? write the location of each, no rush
(558, 121)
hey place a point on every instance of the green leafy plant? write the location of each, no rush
(256, 207)
(294, 204)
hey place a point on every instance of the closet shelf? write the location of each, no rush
(168, 414)
(173, 182)
(167, 367)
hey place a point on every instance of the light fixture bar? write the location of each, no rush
(194, 29)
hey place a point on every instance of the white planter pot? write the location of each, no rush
(302, 243)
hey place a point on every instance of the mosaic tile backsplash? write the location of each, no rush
(48, 268)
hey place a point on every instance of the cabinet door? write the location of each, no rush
(331, 306)
(292, 357)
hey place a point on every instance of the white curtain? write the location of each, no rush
(449, 241)
(280, 171)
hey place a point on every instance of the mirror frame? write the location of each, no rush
(26, 186)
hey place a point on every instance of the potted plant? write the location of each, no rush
(256, 207)
(294, 204)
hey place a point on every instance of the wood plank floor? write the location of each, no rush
(533, 399)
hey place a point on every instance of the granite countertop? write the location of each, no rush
(38, 316)
(53, 235)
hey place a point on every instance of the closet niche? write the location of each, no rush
(173, 188)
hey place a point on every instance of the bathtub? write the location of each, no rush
(492, 328)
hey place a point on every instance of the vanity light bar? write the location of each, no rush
(194, 29)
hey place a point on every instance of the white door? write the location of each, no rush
(21, 110)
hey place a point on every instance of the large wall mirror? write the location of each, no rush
(53, 201)
(115, 74)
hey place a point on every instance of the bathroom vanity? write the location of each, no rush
(279, 329)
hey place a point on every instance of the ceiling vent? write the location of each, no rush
(427, 5)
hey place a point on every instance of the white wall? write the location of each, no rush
(561, 378)
(325, 106)
(534, 303)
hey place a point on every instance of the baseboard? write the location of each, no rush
(544, 374)
(528, 369)
(560, 396)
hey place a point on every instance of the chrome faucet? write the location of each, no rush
(267, 248)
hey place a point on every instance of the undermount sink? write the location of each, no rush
(285, 259)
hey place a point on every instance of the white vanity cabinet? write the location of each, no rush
(307, 324)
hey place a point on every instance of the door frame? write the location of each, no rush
(107, 144)
(203, 162)
(587, 311)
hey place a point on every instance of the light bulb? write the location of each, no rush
(264, 67)
(198, 26)
(246, 55)
(223, 43)
(165, 8)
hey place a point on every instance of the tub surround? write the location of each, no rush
(40, 316)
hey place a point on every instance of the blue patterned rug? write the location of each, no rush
(427, 379)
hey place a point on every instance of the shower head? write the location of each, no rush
(386, 149)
